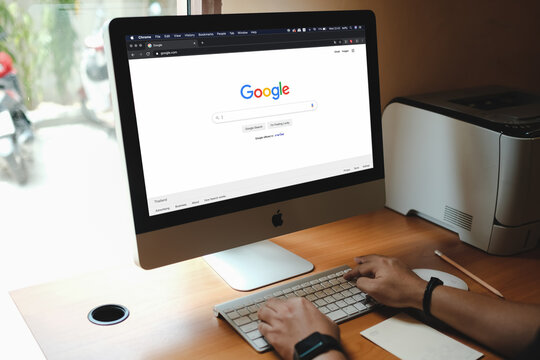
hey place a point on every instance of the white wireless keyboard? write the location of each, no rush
(335, 297)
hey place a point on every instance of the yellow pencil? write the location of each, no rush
(468, 273)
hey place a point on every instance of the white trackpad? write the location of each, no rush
(447, 279)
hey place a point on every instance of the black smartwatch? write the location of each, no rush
(315, 344)
(426, 302)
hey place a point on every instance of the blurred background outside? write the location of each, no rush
(61, 185)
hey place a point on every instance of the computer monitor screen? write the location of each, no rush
(239, 128)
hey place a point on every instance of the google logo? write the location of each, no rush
(276, 91)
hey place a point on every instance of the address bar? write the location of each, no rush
(262, 112)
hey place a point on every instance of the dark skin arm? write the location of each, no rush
(502, 325)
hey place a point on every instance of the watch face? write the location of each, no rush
(310, 347)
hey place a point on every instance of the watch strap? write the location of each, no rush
(426, 302)
(319, 344)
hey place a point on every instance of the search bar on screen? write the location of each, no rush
(262, 112)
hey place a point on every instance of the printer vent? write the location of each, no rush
(458, 218)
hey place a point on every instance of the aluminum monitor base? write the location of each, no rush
(256, 265)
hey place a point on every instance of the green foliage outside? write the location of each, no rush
(19, 40)
(51, 48)
(61, 42)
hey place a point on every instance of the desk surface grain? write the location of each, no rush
(171, 313)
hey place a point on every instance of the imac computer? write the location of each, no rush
(239, 128)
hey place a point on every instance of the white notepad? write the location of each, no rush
(408, 338)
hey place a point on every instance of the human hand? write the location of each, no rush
(388, 280)
(286, 322)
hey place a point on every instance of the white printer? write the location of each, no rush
(468, 160)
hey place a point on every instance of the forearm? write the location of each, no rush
(504, 326)
(499, 324)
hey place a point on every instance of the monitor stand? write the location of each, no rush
(255, 265)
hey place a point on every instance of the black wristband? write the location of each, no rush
(314, 345)
(426, 302)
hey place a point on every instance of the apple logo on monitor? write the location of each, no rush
(277, 219)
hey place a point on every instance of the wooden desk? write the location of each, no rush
(171, 307)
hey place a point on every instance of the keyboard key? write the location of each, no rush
(323, 279)
(277, 293)
(300, 293)
(332, 307)
(287, 291)
(311, 297)
(341, 303)
(320, 302)
(326, 284)
(337, 296)
(254, 334)
(249, 327)
(350, 300)
(360, 306)
(260, 342)
(320, 294)
(242, 321)
(350, 310)
(358, 297)
(337, 315)
(309, 290)
(346, 293)
(243, 312)
(324, 310)
(254, 317)
(329, 299)
(233, 315)
(313, 282)
(329, 291)
(334, 282)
